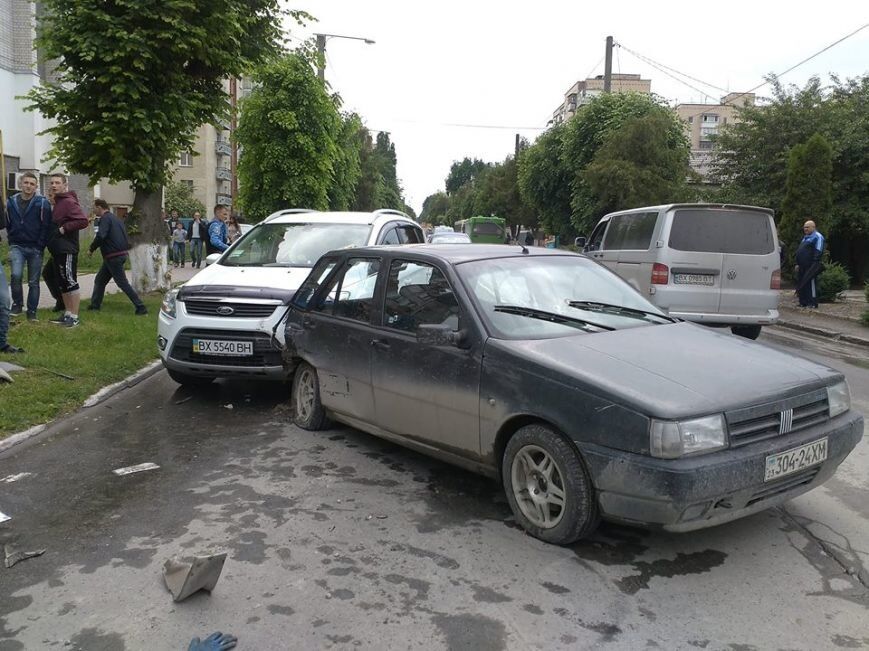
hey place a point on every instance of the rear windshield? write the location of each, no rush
(722, 231)
(487, 228)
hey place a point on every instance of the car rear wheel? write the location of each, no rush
(189, 380)
(747, 331)
(308, 412)
(547, 486)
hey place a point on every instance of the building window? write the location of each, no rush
(706, 144)
(710, 117)
(189, 184)
(690, 119)
(186, 159)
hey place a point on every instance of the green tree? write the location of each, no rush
(754, 153)
(289, 131)
(544, 182)
(497, 193)
(378, 184)
(136, 81)
(179, 196)
(592, 127)
(464, 172)
(435, 209)
(348, 166)
(808, 190)
(637, 166)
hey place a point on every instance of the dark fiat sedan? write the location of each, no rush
(546, 370)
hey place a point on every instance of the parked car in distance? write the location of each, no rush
(224, 321)
(714, 264)
(548, 371)
(450, 238)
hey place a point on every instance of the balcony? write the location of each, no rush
(223, 148)
(223, 174)
(223, 199)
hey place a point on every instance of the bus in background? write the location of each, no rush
(484, 230)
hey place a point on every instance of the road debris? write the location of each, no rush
(183, 579)
(228, 406)
(129, 470)
(5, 377)
(8, 479)
(4, 517)
(13, 557)
(183, 400)
(57, 373)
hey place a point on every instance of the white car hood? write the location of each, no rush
(285, 278)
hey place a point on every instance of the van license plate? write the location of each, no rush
(223, 347)
(693, 279)
(785, 463)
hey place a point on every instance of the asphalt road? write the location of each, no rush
(339, 540)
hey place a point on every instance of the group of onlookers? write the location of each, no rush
(213, 236)
(34, 223)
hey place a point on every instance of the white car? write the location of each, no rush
(226, 320)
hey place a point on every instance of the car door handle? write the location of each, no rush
(380, 343)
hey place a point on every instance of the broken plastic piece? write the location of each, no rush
(214, 642)
(5, 377)
(129, 470)
(4, 517)
(13, 557)
(183, 579)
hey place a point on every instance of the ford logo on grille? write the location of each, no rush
(731, 274)
(225, 310)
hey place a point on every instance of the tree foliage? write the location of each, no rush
(348, 163)
(289, 131)
(544, 181)
(464, 172)
(808, 190)
(435, 208)
(754, 152)
(179, 196)
(378, 183)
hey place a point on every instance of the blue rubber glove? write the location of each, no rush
(214, 642)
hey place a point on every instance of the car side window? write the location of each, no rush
(596, 238)
(418, 294)
(313, 281)
(391, 237)
(632, 231)
(350, 293)
(409, 235)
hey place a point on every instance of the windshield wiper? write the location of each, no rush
(552, 317)
(597, 306)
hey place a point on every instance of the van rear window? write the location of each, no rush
(722, 231)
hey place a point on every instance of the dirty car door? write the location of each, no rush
(338, 338)
(425, 392)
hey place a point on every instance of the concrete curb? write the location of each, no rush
(100, 396)
(824, 332)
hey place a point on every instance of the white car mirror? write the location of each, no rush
(211, 259)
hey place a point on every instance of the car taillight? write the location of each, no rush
(660, 274)
(775, 279)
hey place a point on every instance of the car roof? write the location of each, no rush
(296, 216)
(456, 253)
(671, 206)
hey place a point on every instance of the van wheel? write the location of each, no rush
(308, 412)
(189, 380)
(749, 332)
(547, 486)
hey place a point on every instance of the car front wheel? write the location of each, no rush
(547, 486)
(308, 412)
(748, 331)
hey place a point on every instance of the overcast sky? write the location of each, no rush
(507, 64)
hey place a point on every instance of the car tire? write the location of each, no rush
(548, 487)
(308, 412)
(189, 380)
(747, 331)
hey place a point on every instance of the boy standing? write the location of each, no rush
(68, 219)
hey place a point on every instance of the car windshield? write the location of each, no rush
(294, 245)
(514, 293)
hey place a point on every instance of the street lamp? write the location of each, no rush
(321, 50)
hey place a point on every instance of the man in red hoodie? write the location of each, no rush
(68, 219)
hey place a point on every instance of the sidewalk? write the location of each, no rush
(839, 320)
(86, 284)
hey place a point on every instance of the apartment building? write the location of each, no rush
(582, 92)
(704, 121)
(21, 69)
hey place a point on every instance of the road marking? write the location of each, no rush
(129, 470)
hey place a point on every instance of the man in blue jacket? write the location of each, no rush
(29, 223)
(808, 259)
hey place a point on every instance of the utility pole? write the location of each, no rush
(233, 156)
(608, 65)
(321, 56)
(516, 149)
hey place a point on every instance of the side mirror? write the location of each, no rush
(440, 335)
(211, 259)
(579, 242)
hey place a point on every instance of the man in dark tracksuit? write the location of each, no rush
(111, 239)
(808, 258)
(5, 346)
(29, 222)
(67, 219)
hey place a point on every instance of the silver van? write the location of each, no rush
(709, 263)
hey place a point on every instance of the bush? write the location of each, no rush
(833, 281)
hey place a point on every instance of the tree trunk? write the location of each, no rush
(148, 237)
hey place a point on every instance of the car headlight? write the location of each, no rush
(673, 439)
(170, 300)
(839, 398)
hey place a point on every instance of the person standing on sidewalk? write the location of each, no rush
(808, 258)
(114, 245)
(196, 233)
(218, 235)
(179, 242)
(29, 222)
(5, 346)
(68, 219)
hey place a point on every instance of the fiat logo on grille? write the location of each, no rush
(225, 310)
(731, 274)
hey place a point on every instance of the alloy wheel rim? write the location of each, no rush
(305, 395)
(538, 486)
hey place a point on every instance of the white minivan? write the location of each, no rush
(714, 264)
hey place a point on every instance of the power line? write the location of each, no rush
(594, 67)
(650, 60)
(663, 70)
